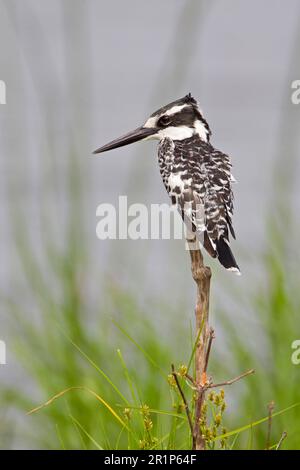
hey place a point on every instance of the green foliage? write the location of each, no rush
(95, 395)
(103, 369)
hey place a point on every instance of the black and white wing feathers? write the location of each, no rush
(198, 179)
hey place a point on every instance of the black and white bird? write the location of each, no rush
(197, 177)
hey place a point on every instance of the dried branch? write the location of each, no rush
(186, 406)
(232, 381)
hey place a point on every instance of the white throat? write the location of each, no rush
(184, 132)
(176, 133)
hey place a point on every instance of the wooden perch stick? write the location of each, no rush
(204, 338)
(201, 275)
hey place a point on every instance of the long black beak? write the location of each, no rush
(133, 136)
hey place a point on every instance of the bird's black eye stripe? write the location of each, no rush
(164, 121)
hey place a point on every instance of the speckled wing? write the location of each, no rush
(218, 195)
(198, 179)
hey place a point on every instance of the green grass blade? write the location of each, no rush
(159, 412)
(256, 423)
(140, 348)
(86, 433)
(60, 437)
(101, 372)
(91, 392)
(128, 378)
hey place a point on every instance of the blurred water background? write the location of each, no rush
(81, 73)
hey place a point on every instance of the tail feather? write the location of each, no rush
(208, 245)
(225, 255)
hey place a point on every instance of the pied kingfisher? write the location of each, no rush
(197, 176)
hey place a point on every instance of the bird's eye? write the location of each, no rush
(164, 121)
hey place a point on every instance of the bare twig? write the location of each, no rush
(191, 380)
(283, 436)
(186, 406)
(232, 381)
(271, 409)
